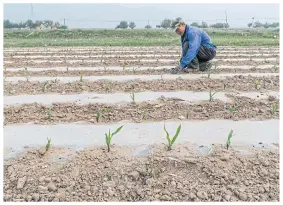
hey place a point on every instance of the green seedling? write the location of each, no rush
(47, 147)
(187, 115)
(134, 70)
(274, 108)
(108, 85)
(208, 75)
(81, 78)
(100, 113)
(228, 143)
(27, 78)
(49, 113)
(133, 97)
(44, 86)
(124, 67)
(67, 69)
(169, 140)
(110, 135)
(224, 86)
(144, 115)
(233, 108)
(211, 95)
(257, 83)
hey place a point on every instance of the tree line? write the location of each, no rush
(258, 24)
(165, 24)
(32, 25)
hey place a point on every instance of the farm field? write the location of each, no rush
(74, 95)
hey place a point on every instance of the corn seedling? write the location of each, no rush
(274, 108)
(144, 115)
(44, 86)
(224, 86)
(211, 95)
(49, 113)
(124, 67)
(67, 69)
(133, 97)
(99, 114)
(27, 78)
(169, 140)
(208, 75)
(81, 78)
(234, 108)
(134, 70)
(47, 147)
(257, 83)
(110, 135)
(228, 143)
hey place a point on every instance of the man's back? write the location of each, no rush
(205, 39)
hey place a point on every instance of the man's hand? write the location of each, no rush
(176, 69)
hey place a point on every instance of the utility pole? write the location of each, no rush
(64, 22)
(31, 11)
(226, 17)
(253, 21)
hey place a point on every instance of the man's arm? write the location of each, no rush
(194, 44)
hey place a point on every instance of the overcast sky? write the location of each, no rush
(109, 15)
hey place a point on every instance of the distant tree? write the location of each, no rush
(266, 25)
(132, 25)
(165, 23)
(57, 24)
(148, 27)
(204, 25)
(63, 27)
(258, 24)
(7, 24)
(29, 23)
(22, 25)
(195, 24)
(158, 26)
(48, 23)
(123, 25)
(38, 23)
(274, 25)
(220, 25)
(250, 25)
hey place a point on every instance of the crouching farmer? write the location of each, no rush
(197, 48)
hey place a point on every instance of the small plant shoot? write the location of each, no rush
(109, 136)
(228, 143)
(47, 147)
(169, 140)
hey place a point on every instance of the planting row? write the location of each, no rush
(238, 108)
(179, 175)
(228, 84)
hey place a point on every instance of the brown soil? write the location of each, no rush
(236, 83)
(181, 174)
(128, 56)
(116, 62)
(163, 109)
(132, 72)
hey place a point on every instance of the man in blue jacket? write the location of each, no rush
(197, 48)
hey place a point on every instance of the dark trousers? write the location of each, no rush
(204, 54)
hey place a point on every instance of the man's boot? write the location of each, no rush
(194, 64)
(205, 66)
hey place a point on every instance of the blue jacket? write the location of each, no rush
(196, 38)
